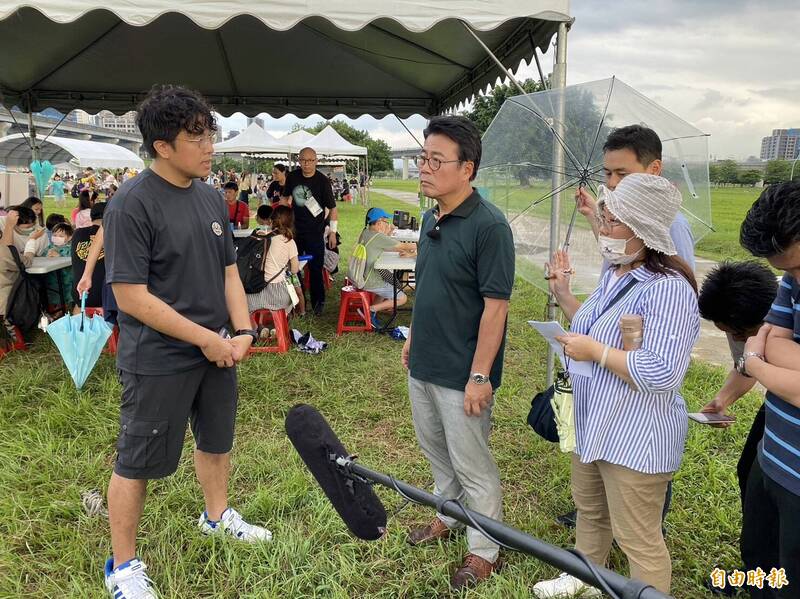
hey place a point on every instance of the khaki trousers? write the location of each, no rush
(615, 502)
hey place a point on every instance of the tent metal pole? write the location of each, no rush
(366, 173)
(559, 81)
(32, 135)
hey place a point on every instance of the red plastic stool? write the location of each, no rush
(326, 278)
(268, 319)
(352, 300)
(111, 346)
(19, 344)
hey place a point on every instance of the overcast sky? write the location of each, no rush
(730, 67)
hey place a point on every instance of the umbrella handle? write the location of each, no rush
(84, 295)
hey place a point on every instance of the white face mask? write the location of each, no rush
(59, 241)
(613, 250)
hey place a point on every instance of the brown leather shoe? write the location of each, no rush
(474, 570)
(435, 530)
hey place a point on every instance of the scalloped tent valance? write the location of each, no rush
(314, 57)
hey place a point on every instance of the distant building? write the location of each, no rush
(108, 120)
(783, 144)
(81, 117)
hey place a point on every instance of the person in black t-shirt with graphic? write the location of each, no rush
(309, 192)
(82, 241)
(275, 189)
(172, 266)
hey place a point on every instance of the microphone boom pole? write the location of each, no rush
(565, 560)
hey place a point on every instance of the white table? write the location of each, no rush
(406, 235)
(396, 263)
(42, 266)
(239, 233)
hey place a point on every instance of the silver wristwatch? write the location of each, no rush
(740, 364)
(478, 378)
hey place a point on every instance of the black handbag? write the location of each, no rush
(541, 417)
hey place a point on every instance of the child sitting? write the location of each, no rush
(376, 237)
(59, 246)
(264, 219)
(281, 256)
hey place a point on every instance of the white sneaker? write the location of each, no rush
(129, 580)
(234, 525)
(563, 587)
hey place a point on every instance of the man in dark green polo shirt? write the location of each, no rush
(454, 354)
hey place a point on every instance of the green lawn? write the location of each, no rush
(411, 185)
(56, 442)
(728, 208)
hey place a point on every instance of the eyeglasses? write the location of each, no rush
(207, 139)
(603, 222)
(434, 163)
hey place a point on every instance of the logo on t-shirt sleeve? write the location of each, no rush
(216, 228)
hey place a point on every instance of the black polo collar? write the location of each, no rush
(465, 208)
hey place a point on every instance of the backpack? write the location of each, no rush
(23, 301)
(251, 254)
(357, 264)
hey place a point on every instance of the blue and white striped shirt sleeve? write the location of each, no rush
(782, 311)
(671, 327)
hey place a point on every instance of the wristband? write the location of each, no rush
(604, 357)
(334, 226)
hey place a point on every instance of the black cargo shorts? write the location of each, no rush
(156, 408)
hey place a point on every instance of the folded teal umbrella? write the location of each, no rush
(80, 339)
(42, 171)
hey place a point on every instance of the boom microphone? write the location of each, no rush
(353, 497)
(347, 485)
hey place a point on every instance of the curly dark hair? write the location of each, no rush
(772, 224)
(169, 109)
(738, 294)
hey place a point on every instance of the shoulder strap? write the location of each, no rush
(15, 254)
(622, 293)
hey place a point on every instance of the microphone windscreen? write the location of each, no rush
(355, 501)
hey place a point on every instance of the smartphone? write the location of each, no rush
(711, 418)
(224, 333)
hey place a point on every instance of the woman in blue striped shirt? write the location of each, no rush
(630, 420)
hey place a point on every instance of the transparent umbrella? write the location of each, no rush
(552, 141)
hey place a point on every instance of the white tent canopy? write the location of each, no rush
(375, 57)
(252, 140)
(297, 140)
(329, 142)
(15, 151)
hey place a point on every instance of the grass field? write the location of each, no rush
(56, 442)
(728, 208)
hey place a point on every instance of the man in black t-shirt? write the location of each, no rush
(172, 267)
(309, 193)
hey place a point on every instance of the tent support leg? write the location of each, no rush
(559, 81)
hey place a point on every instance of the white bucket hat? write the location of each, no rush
(647, 204)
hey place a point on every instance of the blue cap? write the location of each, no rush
(375, 214)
